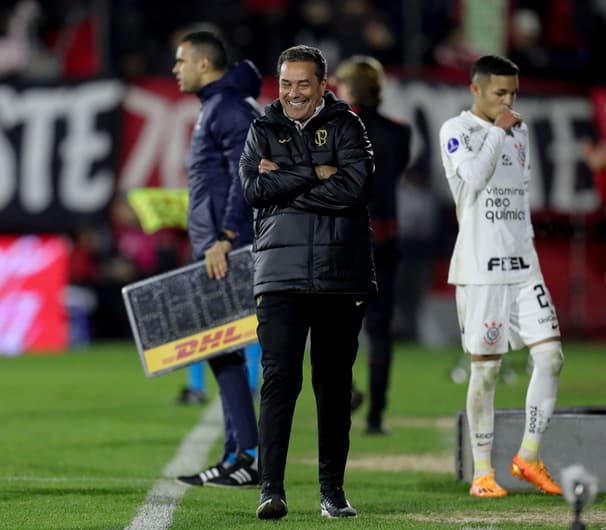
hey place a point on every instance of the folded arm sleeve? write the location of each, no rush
(476, 169)
(272, 187)
(350, 185)
(230, 131)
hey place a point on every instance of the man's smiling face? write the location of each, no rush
(300, 89)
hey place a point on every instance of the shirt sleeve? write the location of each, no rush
(229, 131)
(474, 166)
(527, 174)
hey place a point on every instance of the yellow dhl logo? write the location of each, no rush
(178, 353)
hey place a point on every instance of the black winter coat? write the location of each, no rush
(391, 145)
(311, 235)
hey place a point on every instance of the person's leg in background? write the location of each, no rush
(241, 435)
(380, 341)
(253, 364)
(238, 466)
(195, 390)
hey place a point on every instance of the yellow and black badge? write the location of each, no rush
(321, 136)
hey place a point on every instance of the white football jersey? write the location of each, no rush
(488, 172)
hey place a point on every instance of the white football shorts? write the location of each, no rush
(496, 318)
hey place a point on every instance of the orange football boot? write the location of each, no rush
(486, 486)
(536, 473)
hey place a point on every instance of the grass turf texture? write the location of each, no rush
(85, 435)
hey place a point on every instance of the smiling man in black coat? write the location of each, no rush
(306, 169)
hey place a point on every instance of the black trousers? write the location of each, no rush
(334, 322)
(377, 323)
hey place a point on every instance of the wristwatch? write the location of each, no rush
(224, 236)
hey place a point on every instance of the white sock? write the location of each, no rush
(480, 412)
(541, 395)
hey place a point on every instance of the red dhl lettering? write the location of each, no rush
(229, 335)
(185, 349)
(212, 340)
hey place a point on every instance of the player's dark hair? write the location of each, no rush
(493, 65)
(304, 54)
(210, 46)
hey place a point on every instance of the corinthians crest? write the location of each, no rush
(493, 332)
(321, 137)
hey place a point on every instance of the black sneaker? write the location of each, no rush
(374, 424)
(376, 430)
(334, 504)
(357, 398)
(204, 476)
(187, 396)
(272, 503)
(242, 473)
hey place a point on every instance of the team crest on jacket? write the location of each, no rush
(321, 137)
(493, 332)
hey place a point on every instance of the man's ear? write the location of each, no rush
(204, 64)
(475, 89)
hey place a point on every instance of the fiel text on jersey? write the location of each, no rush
(507, 263)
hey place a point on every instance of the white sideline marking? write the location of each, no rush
(156, 513)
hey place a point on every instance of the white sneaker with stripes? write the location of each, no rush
(199, 479)
(241, 474)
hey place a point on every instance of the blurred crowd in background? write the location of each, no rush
(129, 38)
(64, 40)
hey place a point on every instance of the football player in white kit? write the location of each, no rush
(502, 300)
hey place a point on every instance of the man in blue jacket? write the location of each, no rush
(219, 220)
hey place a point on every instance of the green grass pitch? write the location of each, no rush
(84, 435)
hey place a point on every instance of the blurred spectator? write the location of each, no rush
(594, 154)
(435, 20)
(22, 53)
(360, 82)
(15, 41)
(264, 31)
(317, 26)
(418, 213)
(72, 35)
(128, 37)
(106, 257)
(454, 52)
(550, 39)
(526, 49)
(365, 30)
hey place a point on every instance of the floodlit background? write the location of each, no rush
(89, 110)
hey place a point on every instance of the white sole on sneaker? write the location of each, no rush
(326, 514)
(272, 509)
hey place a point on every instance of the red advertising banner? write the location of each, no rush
(33, 277)
(157, 124)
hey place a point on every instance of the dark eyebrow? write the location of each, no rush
(288, 81)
